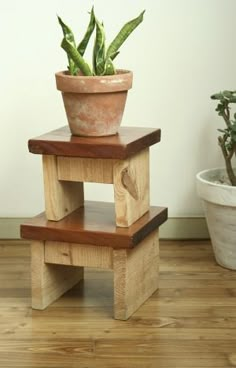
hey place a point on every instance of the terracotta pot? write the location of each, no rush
(94, 105)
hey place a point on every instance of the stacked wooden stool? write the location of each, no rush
(72, 232)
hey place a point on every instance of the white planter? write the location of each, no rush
(220, 210)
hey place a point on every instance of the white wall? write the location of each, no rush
(182, 53)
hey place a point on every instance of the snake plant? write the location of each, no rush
(102, 56)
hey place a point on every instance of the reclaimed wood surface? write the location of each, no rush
(131, 188)
(126, 143)
(94, 224)
(90, 170)
(49, 282)
(136, 275)
(189, 322)
(78, 255)
(61, 197)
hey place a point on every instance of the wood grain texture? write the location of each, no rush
(136, 275)
(92, 170)
(49, 282)
(189, 322)
(131, 188)
(61, 197)
(78, 255)
(126, 143)
(94, 224)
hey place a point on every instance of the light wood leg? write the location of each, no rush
(131, 188)
(136, 274)
(49, 282)
(61, 197)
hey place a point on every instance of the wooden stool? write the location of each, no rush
(89, 237)
(122, 236)
(121, 160)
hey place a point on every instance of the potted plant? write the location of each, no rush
(217, 187)
(94, 96)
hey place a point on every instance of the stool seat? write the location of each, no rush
(126, 143)
(94, 223)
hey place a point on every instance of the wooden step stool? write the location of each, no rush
(121, 236)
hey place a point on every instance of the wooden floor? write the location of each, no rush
(190, 322)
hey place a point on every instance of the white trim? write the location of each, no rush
(174, 228)
(10, 227)
(184, 228)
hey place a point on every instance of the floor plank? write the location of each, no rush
(189, 322)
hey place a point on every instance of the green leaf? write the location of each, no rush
(125, 31)
(69, 36)
(220, 107)
(227, 94)
(99, 49)
(83, 44)
(72, 67)
(109, 68)
(67, 32)
(76, 57)
(113, 56)
(217, 96)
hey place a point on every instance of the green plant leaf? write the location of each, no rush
(83, 44)
(67, 32)
(99, 49)
(124, 33)
(233, 127)
(227, 94)
(73, 53)
(69, 36)
(217, 96)
(109, 68)
(113, 56)
(72, 67)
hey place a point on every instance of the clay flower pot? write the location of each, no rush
(219, 203)
(94, 105)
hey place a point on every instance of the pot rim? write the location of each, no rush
(208, 182)
(65, 74)
(120, 82)
(218, 194)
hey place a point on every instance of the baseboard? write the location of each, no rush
(184, 228)
(174, 228)
(10, 227)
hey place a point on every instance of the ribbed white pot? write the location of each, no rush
(220, 209)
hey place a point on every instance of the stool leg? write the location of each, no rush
(131, 188)
(136, 274)
(49, 282)
(61, 197)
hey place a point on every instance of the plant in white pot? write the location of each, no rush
(94, 96)
(217, 187)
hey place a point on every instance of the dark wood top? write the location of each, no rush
(94, 224)
(127, 142)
